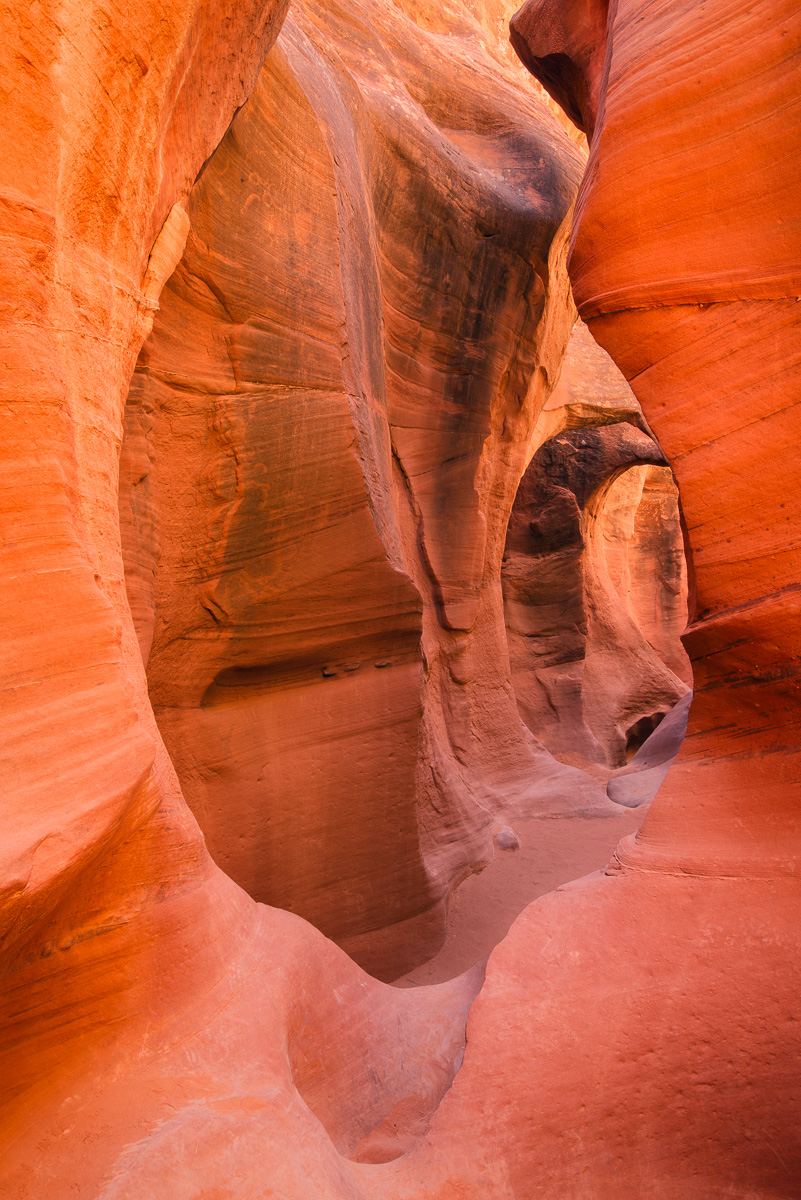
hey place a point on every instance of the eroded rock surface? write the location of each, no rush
(635, 1033)
(594, 575)
(325, 434)
(162, 1031)
(700, 316)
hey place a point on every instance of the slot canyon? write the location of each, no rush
(401, 564)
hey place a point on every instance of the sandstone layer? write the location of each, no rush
(161, 1029)
(594, 575)
(636, 1033)
(324, 437)
(696, 305)
(106, 123)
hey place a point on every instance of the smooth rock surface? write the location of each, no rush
(324, 437)
(636, 1034)
(594, 576)
(162, 1033)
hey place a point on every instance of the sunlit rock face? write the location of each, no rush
(107, 117)
(682, 268)
(161, 1033)
(106, 121)
(324, 437)
(594, 575)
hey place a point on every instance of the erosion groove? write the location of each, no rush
(398, 420)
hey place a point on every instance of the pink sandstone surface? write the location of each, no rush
(636, 1032)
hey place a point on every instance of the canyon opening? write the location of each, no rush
(402, 575)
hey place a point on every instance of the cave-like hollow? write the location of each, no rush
(400, 599)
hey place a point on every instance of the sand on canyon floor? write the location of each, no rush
(552, 851)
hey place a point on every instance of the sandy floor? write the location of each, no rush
(552, 852)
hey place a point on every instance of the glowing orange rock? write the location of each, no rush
(324, 436)
(594, 574)
(635, 1032)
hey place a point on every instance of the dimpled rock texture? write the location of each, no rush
(324, 436)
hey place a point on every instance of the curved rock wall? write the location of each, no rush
(368, 317)
(594, 577)
(161, 1030)
(134, 973)
(107, 117)
(689, 281)
(106, 123)
(635, 1033)
(593, 595)
(688, 160)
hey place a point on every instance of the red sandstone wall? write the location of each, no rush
(105, 125)
(157, 1023)
(689, 279)
(134, 973)
(594, 578)
(635, 1034)
(325, 433)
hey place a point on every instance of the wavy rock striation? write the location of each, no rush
(594, 576)
(163, 1033)
(367, 320)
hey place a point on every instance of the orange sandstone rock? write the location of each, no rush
(162, 1032)
(697, 915)
(594, 574)
(635, 1032)
(324, 437)
(700, 315)
(106, 123)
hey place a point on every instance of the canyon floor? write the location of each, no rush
(552, 852)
